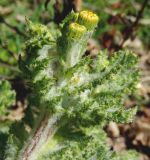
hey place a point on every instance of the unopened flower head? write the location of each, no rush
(76, 31)
(88, 19)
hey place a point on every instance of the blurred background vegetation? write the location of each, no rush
(123, 24)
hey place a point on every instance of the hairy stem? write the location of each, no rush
(47, 127)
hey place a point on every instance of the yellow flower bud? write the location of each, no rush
(88, 19)
(76, 31)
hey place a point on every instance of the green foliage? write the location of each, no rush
(76, 96)
(7, 97)
(79, 95)
(3, 141)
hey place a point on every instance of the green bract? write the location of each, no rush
(77, 96)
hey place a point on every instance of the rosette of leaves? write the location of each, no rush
(76, 95)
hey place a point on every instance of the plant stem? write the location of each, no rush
(47, 127)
